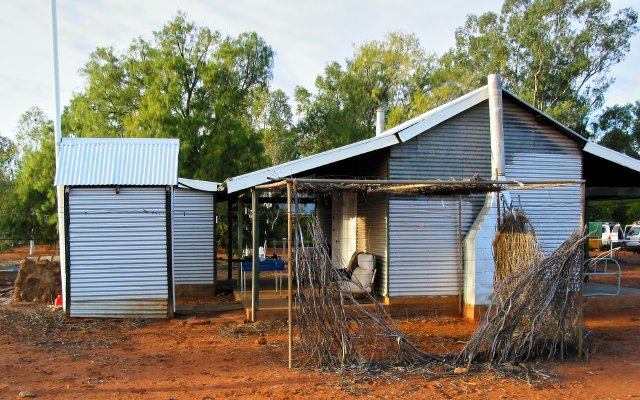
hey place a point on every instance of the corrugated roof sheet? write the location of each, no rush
(204, 186)
(98, 162)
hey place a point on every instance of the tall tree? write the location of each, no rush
(274, 119)
(555, 54)
(8, 164)
(618, 128)
(29, 205)
(188, 82)
(342, 109)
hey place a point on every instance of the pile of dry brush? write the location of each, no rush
(336, 330)
(533, 313)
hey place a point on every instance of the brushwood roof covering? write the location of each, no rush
(105, 162)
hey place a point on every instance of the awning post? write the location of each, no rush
(255, 260)
(290, 273)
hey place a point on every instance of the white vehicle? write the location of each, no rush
(632, 237)
(604, 235)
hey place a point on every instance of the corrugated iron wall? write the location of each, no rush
(535, 151)
(372, 234)
(459, 147)
(118, 252)
(424, 250)
(193, 237)
(424, 245)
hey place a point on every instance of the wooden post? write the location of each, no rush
(240, 225)
(230, 240)
(580, 305)
(290, 273)
(255, 259)
(461, 259)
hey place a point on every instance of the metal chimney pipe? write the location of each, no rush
(495, 127)
(380, 119)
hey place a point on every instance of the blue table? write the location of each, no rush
(268, 264)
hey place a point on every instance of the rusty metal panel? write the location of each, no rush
(193, 251)
(118, 252)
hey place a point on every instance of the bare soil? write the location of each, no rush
(18, 253)
(218, 357)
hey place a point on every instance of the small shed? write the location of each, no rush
(117, 245)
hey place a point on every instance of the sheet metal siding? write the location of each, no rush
(193, 237)
(424, 254)
(101, 162)
(372, 234)
(118, 254)
(459, 147)
(424, 250)
(535, 151)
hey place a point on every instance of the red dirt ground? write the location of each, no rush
(16, 254)
(217, 357)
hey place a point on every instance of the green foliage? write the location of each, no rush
(8, 164)
(29, 204)
(380, 73)
(274, 121)
(188, 82)
(555, 54)
(622, 211)
(618, 128)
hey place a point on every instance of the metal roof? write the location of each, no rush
(398, 134)
(203, 186)
(105, 161)
(612, 155)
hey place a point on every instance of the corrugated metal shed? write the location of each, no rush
(108, 161)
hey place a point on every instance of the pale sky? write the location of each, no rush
(305, 34)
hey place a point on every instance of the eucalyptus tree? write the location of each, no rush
(555, 54)
(188, 82)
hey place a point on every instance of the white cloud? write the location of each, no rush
(305, 35)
